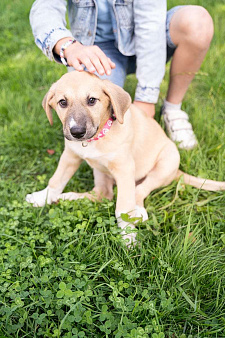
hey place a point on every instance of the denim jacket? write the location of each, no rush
(139, 27)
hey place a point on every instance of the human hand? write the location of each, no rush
(92, 57)
(147, 107)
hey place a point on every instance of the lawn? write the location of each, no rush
(64, 271)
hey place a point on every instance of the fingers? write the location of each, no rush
(76, 65)
(87, 62)
(92, 57)
(106, 63)
(112, 64)
(97, 65)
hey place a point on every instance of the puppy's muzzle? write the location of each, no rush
(78, 131)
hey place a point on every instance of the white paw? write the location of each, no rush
(129, 238)
(70, 196)
(40, 198)
(129, 234)
(141, 212)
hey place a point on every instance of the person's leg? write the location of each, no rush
(190, 33)
(191, 30)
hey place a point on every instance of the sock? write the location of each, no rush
(172, 106)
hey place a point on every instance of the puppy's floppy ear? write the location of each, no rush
(46, 103)
(119, 98)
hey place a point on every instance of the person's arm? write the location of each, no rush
(150, 47)
(48, 23)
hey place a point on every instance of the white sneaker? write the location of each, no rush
(179, 128)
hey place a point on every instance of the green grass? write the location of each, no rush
(63, 269)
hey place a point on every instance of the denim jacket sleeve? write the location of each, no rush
(150, 47)
(48, 23)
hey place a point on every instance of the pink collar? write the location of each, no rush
(104, 130)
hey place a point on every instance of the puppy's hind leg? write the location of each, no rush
(103, 189)
(163, 173)
(103, 185)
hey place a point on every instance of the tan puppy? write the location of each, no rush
(135, 153)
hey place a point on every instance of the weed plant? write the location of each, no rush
(64, 271)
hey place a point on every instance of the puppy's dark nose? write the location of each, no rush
(77, 131)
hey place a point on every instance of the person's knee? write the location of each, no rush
(196, 26)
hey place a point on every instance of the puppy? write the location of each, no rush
(120, 142)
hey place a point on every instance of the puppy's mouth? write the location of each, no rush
(95, 133)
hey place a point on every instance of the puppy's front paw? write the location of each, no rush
(141, 212)
(129, 231)
(40, 198)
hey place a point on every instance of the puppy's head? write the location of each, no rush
(84, 103)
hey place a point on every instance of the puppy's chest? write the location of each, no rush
(93, 156)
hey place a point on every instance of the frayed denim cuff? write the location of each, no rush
(147, 94)
(52, 38)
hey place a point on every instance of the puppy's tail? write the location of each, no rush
(201, 183)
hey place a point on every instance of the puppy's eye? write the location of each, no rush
(63, 103)
(92, 101)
